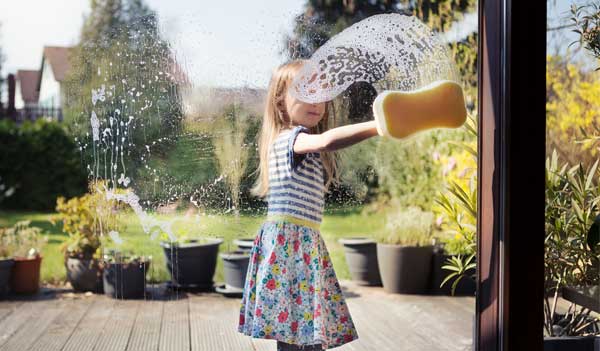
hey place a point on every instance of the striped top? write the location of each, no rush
(296, 186)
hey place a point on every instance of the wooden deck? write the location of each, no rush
(57, 320)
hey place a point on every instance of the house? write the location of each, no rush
(26, 94)
(51, 92)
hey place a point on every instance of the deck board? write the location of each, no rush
(208, 321)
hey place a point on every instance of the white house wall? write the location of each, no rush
(19, 103)
(49, 88)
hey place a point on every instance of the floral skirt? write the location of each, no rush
(291, 293)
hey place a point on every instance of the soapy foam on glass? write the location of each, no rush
(397, 54)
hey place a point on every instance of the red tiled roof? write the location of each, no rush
(28, 81)
(59, 60)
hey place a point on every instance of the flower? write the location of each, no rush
(282, 316)
(439, 220)
(299, 300)
(306, 258)
(307, 316)
(436, 155)
(276, 269)
(280, 239)
(336, 297)
(268, 329)
(258, 312)
(242, 319)
(296, 245)
(273, 257)
(294, 326)
(303, 286)
(271, 284)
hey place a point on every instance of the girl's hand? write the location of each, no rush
(336, 138)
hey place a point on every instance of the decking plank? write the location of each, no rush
(86, 333)
(175, 327)
(213, 322)
(118, 328)
(57, 334)
(13, 322)
(145, 335)
(33, 328)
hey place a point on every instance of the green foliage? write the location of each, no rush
(572, 204)
(458, 203)
(86, 219)
(232, 150)
(21, 240)
(122, 54)
(406, 171)
(587, 25)
(408, 227)
(40, 162)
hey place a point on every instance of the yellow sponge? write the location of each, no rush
(399, 114)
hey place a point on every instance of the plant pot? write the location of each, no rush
(84, 274)
(192, 264)
(25, 277)
(572, 343)
(125, 280)
(361, 257)
(404, 269)
(235, 266)
(466, 286)
(244, 244)
(5, 273)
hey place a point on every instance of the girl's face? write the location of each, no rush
(303, 113)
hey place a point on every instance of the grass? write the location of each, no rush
(337, 223)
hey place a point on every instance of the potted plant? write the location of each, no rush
(25, 276)
(85, 219)
(7, 247)
(361, 257)
(124, 274)
(572, 254)
(244, 244)
(191, 261)
(454, 260)
(404, 251)
(235, 266)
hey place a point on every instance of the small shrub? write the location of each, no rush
(411, 227)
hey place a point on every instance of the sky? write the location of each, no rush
(235, 43)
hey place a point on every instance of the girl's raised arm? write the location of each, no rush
(336, 138)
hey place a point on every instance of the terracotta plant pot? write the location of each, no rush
(26, 275)
(361, 257)
(404, 269)
(5, 273)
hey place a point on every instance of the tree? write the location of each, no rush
(125, 75)
(1, 80)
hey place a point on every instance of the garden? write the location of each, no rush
(105, 203)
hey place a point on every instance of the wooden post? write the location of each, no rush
(512, 126)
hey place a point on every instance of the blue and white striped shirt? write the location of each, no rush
(296, 186)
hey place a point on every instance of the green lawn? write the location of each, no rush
(336, 224)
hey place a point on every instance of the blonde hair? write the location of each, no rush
(276, 119)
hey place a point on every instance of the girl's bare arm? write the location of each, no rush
(336, 138)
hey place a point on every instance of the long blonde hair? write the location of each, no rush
(275, 119)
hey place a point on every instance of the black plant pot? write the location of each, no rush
(125, 280)
(572, 343)
(244, 244)
(5, 272)
(404, 269)
(235, 266)
(465, 287)
(192, 265)
(84, 274)
(361, 257)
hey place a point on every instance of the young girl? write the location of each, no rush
(291, 293)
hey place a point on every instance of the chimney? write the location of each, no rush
(11, 112)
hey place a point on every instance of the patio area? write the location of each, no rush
(57, 320)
